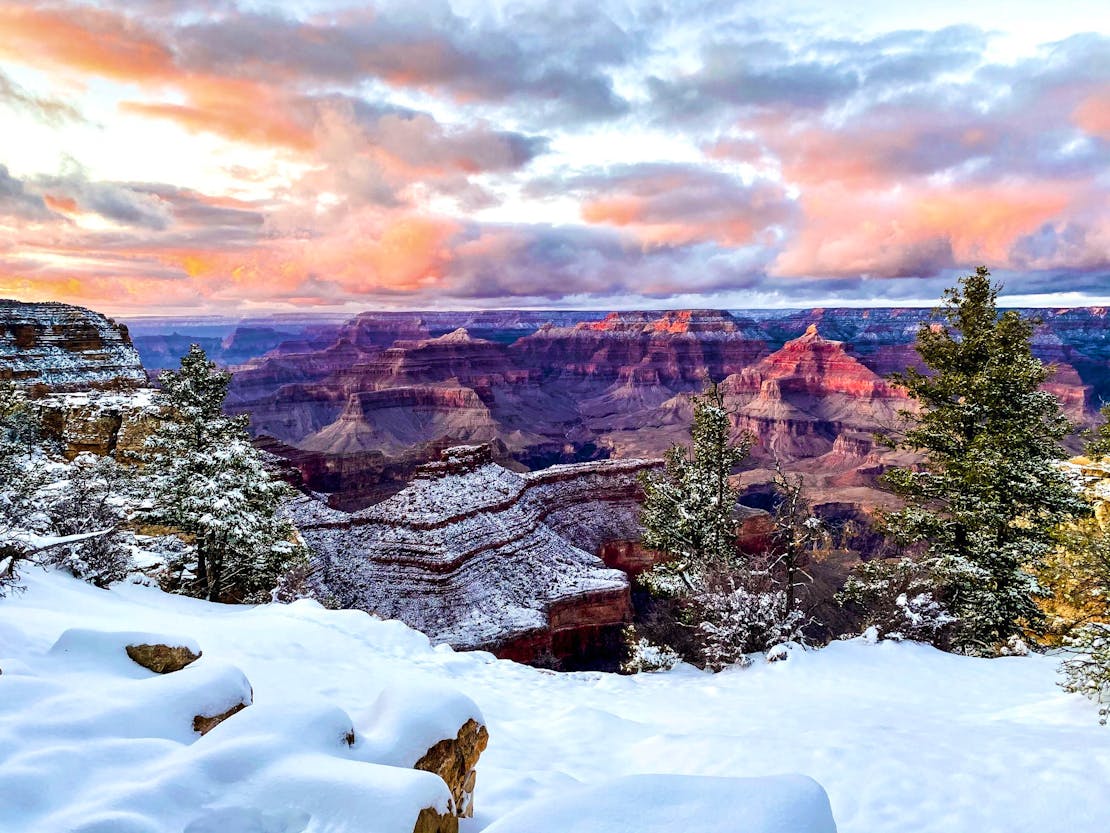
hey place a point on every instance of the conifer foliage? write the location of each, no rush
(716, 605)
(19, 430)
(1098, 439)
(210, 482)
(689, 508)
(982, 513)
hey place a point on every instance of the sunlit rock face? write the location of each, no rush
(389, 391)
(60, 347)
(478, 556)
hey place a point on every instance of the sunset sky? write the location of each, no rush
(166, 156)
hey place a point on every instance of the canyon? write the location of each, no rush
(358, 407)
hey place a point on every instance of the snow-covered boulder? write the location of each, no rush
(433, 730)
(93, 742)
(157, 652)
(666, 803)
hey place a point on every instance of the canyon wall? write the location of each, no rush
(478, 556)
(59, 347)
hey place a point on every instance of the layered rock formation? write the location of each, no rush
(478, 556)
(390, 390)
(101, 422)
(60, 347)
(805, 398)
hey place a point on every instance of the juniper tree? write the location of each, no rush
(210, 482)
(982, 511)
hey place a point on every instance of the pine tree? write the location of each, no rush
(210, 482)
(982, 513)
(689, 507)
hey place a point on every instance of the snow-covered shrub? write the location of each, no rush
(300, 581)
(736, 620)
(643, 655)
(899, 600)
(1087, 670)
(10, 558)
(91, 499)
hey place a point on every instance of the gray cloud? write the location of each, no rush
(526, 59)
(48, 110)
(17, 201)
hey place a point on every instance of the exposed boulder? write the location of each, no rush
(162, 658)
(455, 761)
(205, 723)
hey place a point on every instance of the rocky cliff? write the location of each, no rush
(391, 389)
(478, 556)
(60, 347)
(800, 400)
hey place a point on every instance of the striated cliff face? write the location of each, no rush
(815, 408)
(391, 390)
(681, 347)
(395, 419)
(478, 556)
(101, 422)
(62, 347)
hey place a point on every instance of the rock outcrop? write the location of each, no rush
(455, 760)
(59, 347)
(802, 399)
(101, 422)
(163, 658)
(478, 556)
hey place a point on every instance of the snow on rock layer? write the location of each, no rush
(478, 556)
(65, 347)
(99, 421)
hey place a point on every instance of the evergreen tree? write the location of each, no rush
(689, 507)
(713, 604)
(982, 513)
(209, 481)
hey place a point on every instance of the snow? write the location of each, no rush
(668, 803)
(901, 736)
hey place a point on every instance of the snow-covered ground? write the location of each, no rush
(902, 737)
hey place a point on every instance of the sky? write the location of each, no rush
(225, 156)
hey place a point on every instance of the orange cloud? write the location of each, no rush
(914, 229)
(88, 39)
(65, 205)
(632, 212)
(244, 111)
(1093, 114)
